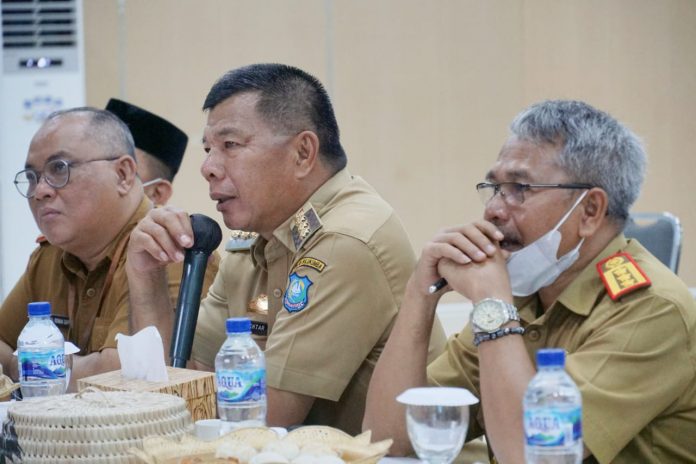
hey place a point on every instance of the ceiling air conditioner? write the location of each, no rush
(42, 71)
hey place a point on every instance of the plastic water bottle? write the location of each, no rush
(41, 354)
(240, 371)
(552, 413)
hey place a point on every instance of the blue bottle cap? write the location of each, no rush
(550, 357)
(238, 325)
(39, 308)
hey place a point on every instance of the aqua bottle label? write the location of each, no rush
(42, 365)
(236, 386)
(553, 426)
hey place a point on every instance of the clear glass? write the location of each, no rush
(437, 433)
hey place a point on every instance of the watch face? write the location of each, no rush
(489, 316)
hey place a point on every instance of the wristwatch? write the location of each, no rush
(490, 314)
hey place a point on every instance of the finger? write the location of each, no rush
(470, 242)
(490, 230)
(155, 239)
(435, 251)
(176, 222)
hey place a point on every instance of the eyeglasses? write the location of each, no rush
(56, 173)
(513, 192)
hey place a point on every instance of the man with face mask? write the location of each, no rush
(549, 266)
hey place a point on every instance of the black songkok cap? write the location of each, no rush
(151, 133)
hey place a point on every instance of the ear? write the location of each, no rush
(594, 211)
(160, 192)
(305, 152)
(126, 170)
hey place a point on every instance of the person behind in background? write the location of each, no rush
(81, 185)
(556, 202)
(324, 279)
(159, 150)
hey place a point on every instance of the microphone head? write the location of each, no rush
(206, 234)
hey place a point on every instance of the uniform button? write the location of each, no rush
(534, 335)
(277, 293)
(91, 292)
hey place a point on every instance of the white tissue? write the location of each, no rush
(142, 355)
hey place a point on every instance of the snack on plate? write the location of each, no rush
(261, 445)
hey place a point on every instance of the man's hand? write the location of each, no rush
(159, 239)
(459, 246)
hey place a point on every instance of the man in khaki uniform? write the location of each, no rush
(323, 280)
(80, 181)
(556, 202)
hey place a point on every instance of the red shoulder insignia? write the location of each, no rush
(621, 275)
(41, 239)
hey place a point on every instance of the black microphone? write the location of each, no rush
(206, 238)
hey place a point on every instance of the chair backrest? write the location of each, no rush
(659, 233)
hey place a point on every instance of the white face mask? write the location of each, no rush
(152, 182)
(536, 266)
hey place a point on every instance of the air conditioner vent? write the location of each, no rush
(38, 24)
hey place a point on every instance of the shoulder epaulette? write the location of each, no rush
(621, 275)
(240, 240)
(303, 225)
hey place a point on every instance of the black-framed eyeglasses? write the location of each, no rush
(56, 173)
(513, 192)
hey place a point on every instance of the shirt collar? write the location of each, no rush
(576, 297)
(317, 202)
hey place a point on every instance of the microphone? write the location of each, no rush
(206, 238)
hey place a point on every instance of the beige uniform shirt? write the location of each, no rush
(333, 276)
(95, 316)
(633, 359)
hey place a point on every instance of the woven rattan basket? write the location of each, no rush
(95, 426)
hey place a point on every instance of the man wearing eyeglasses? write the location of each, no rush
(549, 266)
(81, 185)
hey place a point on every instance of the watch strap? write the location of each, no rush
(485, 336)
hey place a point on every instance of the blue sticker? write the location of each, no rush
(296, 297)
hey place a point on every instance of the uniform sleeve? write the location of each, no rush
(324, 333)
(13, 312)
(622, 374)
(210, 328)
(458, 366)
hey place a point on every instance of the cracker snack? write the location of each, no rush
(260, 445)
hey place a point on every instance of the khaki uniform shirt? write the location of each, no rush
(322, 295)
(96, 316)
(634, 361)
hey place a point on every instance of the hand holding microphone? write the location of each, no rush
(206, 238)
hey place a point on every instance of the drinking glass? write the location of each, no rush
(437, 419)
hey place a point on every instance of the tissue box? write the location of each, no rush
(196, 387)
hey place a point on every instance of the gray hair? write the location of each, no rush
(596, 148)
(113, 135)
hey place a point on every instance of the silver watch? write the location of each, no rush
(490, 314)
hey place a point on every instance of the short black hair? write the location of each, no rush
(290, 100)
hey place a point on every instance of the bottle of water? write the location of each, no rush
(552, 413)
(240, 370)
(41, 354)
